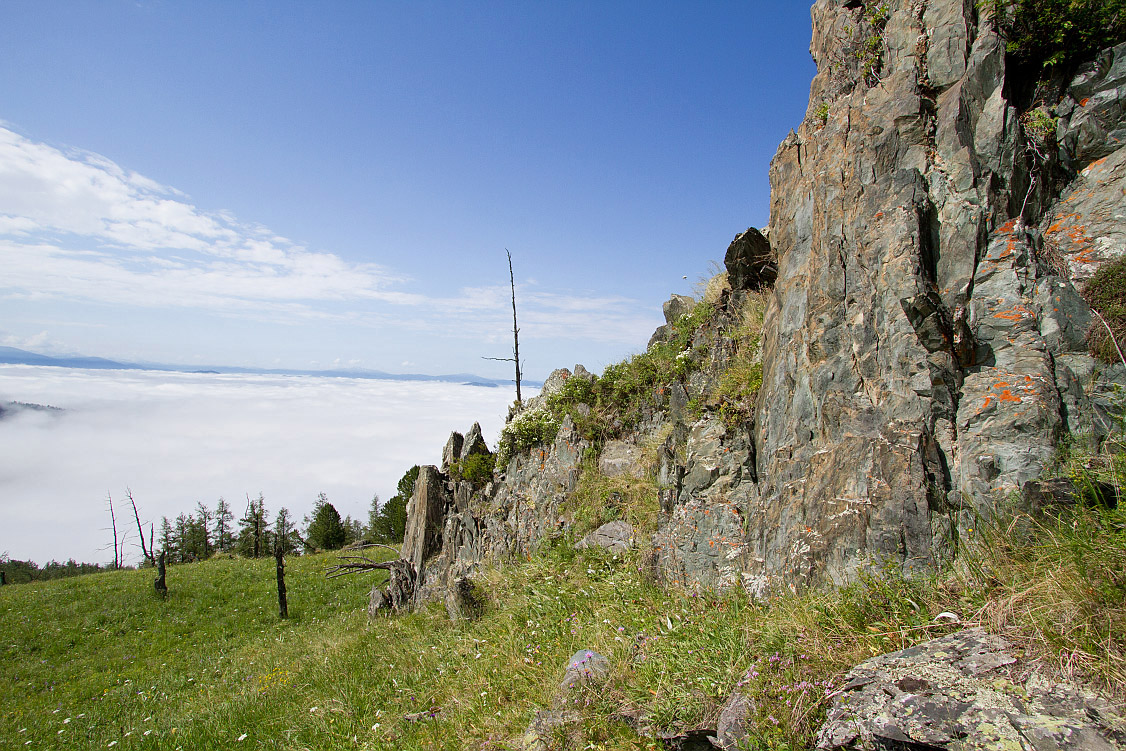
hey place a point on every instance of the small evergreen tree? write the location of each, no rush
(324, 528)
(391, 521)
(373, 520)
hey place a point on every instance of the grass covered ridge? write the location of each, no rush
(98, 662)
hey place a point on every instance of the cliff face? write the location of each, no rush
(922, 356)
(923, 350)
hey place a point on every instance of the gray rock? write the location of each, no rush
(749, 261)
(731, 728)
(616, 536)
(620, 458)
(554, 382)
(1094, 112)
(474, 443)
(676, 307)
(452, 451)
(585, 668)
(1087, 227)
(426, 512)
(545, 725)
(1047, 496)
(939, 693)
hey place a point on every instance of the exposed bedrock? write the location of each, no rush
(921, 359)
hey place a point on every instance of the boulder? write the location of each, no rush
(620, 458)
(585, 668)
(940, 693)
(545, 725)
(1061, 493)
(616, 536)
(676, 307)
(749, 261)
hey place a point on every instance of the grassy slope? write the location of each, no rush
(104, 662)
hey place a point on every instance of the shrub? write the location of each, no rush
(476, 468)
(532, 427)
(1105, 292)
(1057, 35)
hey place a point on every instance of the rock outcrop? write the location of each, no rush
(920, 357)
(942, 692)
(924, 344)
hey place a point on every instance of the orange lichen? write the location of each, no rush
(1009, 396)
(1015, 313)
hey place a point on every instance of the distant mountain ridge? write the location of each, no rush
(14, 356)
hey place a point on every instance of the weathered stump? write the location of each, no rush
(159, 583)
(283, 607)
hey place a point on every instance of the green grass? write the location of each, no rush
(99, 658)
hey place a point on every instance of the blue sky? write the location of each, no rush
(324, 184)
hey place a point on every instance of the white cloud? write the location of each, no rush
(176, 439)
(79, 228)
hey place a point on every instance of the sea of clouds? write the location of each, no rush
(175, 439)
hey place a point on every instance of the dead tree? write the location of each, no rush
(401, 577)
(113, 524)
(515, 334)
(279, 558)
(146, 551)
(159, 583)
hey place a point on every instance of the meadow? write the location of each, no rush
(98, 661)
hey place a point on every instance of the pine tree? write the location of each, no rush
(324, 530)
(224, 539)
(284, 532)
(253, 532)
(166, 538)
(203, 530)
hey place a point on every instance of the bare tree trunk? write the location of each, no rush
(515, 335)
(113, 523)
(160, 584)
(279, 557)
(515, 329)
(147, 552)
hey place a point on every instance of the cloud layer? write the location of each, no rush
(176, 439)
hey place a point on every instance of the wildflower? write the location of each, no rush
(242, 737)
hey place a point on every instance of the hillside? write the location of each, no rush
(861, 493)
(98, 661)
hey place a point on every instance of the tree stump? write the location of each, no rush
(159, 583)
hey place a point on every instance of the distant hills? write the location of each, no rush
(7, 409)
(14, 356)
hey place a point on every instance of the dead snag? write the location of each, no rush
(279, 557)
(159, 583)
(401, 577)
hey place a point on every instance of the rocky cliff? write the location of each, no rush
(923, 348)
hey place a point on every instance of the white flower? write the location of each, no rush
(242, 737)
